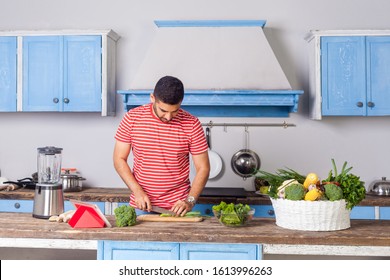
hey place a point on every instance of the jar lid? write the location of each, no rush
(49, 150)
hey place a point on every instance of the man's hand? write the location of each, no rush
(142, 201)
(181, 207)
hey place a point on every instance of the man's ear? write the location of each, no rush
(152, 98)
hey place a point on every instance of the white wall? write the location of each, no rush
(87, 138)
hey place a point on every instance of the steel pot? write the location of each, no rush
(245, 162)
(71, 182)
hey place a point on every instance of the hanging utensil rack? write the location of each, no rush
(246, 125)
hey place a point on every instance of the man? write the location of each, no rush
(161, 136)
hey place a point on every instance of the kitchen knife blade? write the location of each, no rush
(162, 210)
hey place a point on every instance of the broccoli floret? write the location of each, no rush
(333, 192)
(125, 216)
(295, 191)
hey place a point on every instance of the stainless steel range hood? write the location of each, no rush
(228, 69)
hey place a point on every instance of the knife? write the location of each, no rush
(162, 210)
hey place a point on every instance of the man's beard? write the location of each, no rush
(164, 120)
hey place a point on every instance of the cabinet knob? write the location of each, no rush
(359, 104)
(370, 104)
(56, 100)
(17, 205)
(66, 100)
(271, 212)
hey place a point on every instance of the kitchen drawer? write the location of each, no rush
(264, 211)
(14, 205)
(363, 212)
(205, 209)
(26, 206)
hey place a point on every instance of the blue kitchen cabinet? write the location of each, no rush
(219, 251)
(350, 73)
(129, 250)
(26, 206)
(135, 250)
(363, 212)
(16, 205)
(8, 74)
(343, 76)
(384, 213)
(264, 211)
(62, 73)
(354, 71)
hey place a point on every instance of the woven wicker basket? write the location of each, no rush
(311, 215)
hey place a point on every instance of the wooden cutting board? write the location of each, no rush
(158, 218)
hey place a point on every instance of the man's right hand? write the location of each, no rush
(142, 201)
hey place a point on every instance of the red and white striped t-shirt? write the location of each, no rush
(161, 152)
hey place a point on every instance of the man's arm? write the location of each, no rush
(121, 154)
(202, 166)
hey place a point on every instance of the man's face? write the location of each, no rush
(165, 112)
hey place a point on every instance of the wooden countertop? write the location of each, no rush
(259, 231)
(122, 195)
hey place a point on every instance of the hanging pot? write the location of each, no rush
(215, 159)
(245, 162)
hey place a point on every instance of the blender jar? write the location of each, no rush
(49, 165)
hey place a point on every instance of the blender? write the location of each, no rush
(48, 197)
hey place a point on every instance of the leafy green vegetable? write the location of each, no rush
(276, 180)
(353, 189)
(231, 214)
(125, 216)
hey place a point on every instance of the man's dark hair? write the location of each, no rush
(169, 90)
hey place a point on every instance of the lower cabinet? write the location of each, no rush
(134, 250)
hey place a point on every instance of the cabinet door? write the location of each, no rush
(343, 83)
(378, 73)
(82, 75)
(129, 250)
(7, 74)
(217, 251)
(42, 73)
